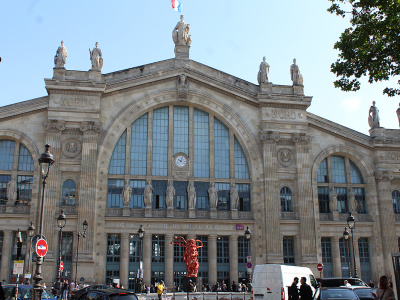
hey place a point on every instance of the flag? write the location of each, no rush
(176, 5)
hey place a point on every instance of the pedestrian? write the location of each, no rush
(371, 284)
(160, 289)
(72, 286)
(305, 290)
(2, 295)
(384, 292)
(234, 286)
(293, 291)
(65, 289)
(152, 289)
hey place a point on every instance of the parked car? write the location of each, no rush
(109, 294)
(363, 293)
(24, 292)
(76, 294)
(339, 281)
(335, 293)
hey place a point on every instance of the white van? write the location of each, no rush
(271, 281)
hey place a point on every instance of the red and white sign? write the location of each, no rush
(61, 266)
(248, 258)
(249, 265)
(41, 248)
(320, 267)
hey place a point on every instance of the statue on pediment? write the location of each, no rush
(333, 203)
(61, 56)
(96, 58)
(262, 76)
(170, 195)
(234, 197)
(295, 74)
(373, 116)
(11, 190)
(148, 194)
(191, 195)
(398, 113)
(180, 34)
(213, 196)
(126, 194)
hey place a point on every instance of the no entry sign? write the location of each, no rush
(320, 267)
(61, 266)
(41, 248)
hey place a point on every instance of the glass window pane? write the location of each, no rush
(286, 199)
(223, 190)
(288, 250)
(338, 169)
(4, 179)
(160, 142)
(139, 146)
(25, 160)
(323, 199)
(114, 193)
(202, 202)
(360, 200)
(241, 167)
(221, 149)
(181, 129)
(6, 154)
(201, 144)
(24, 189)
(223, 249)
(137, 200)
(396, 201)
(244, 196)
(68, 193)
(342, 201)
(355, 173)
(117, 162)
(323, 172)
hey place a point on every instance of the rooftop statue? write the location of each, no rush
(96, 58)
(373, 117)
(262, 76)
(295, 75)
(61, 56)
(180, 34)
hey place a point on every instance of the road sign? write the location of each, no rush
(18, 267)
(248, 258)
(249, 265)
(61, 266)
(320, 267)
(41, 248)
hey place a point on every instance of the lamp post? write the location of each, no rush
(31, 232)
(351, 222)
(61, 221)
(45, 161)
(80, 234)
(141, 234)
(247, 233)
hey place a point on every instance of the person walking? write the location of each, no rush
(305, 290)
(160, 289)
(293, 290)
(384, 292)
(65, 290)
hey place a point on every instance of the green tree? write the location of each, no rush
(371, 46)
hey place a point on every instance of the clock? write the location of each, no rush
(180, 161)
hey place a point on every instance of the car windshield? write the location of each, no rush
(364, 292)
(24, 293)
(338, 294)
(123, 296)
(356, 282)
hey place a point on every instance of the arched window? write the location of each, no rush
(211, 152)
(68, 193)
(286, 199)
(345, 178)
(396, 201)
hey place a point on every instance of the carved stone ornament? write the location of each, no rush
(90, 126)
(269, 136)
(301, 137)
(72, 148)
(285, 157)
(182, 85)
(384, 175)
(54, 125)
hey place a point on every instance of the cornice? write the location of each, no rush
(25, 108)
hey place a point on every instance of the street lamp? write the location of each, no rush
(346, 235)
(80, 234)
(45, 161)
(61, 221)
(351, 222)
(31, 232)
(247, 233)
(141, 234)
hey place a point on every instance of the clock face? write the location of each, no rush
(180, 161)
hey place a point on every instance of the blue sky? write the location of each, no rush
(228, 35)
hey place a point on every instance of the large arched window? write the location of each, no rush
(396, 201)
(207, 151)
(68, 193)
(340, 176)
(20, 185)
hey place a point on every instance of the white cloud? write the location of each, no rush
(351, 104)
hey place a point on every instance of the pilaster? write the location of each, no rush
(6, 253)
(147, 258)
(212, 259)
(169, 261)
(337, 264)
(124, 262)
(233, 248)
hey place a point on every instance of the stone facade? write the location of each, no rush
(86, 112)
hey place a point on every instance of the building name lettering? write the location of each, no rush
(169, 226)
(390, 155)
(283, 114)
(75, 102)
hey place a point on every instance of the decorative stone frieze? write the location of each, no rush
(285, 157)
(301, 138)
(384, 175)
(269, 136)
(54, 125)
(72, 148)
(93, 127)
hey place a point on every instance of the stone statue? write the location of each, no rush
(182, 81)
(333, 204)
(96, 58)
(213, 196)
(262, 76)
(373, 117)
(126, 194)
(11, 190)
(170, 194)
(398, 113)
(234, 197)
(191, 195)
(180, 34)
(148, 194)
(61, 56)
(190, 254)
(352, 200)
(295, 75)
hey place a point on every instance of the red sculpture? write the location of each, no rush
(190, 255)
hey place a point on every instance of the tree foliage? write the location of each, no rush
(371, 46)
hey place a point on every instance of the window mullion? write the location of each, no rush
(212, 141)
(149, 142)
(191, 141)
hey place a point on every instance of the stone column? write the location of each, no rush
(272, 207)
(212, 259)
(147, 252)
(386, 218)
(124, 262)
(233, 259)
(305, 202)
(6, 254)
(169, 261)
(87, 187)
(336, 260)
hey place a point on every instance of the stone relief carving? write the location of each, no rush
(269, 136)
(126, 194)
(384, 175)
(182, 84)
(96, 58)
(11, 191)
(353, 205)
(170, 194)
(234, 194)
(333, 204)
(148, 194)
(213, 196)
(301, 137)
(373, 116)
(54, 125)
(285, 157)
(262, 76)
(295, 75)
(90, 126)
(180, 34)
(61, 56)
(191, 195)
(72, 148)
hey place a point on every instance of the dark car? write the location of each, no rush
(339, 281)
(109, 294)
(76, 294)
(24, 292)
(336, 293)
(363, 293)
